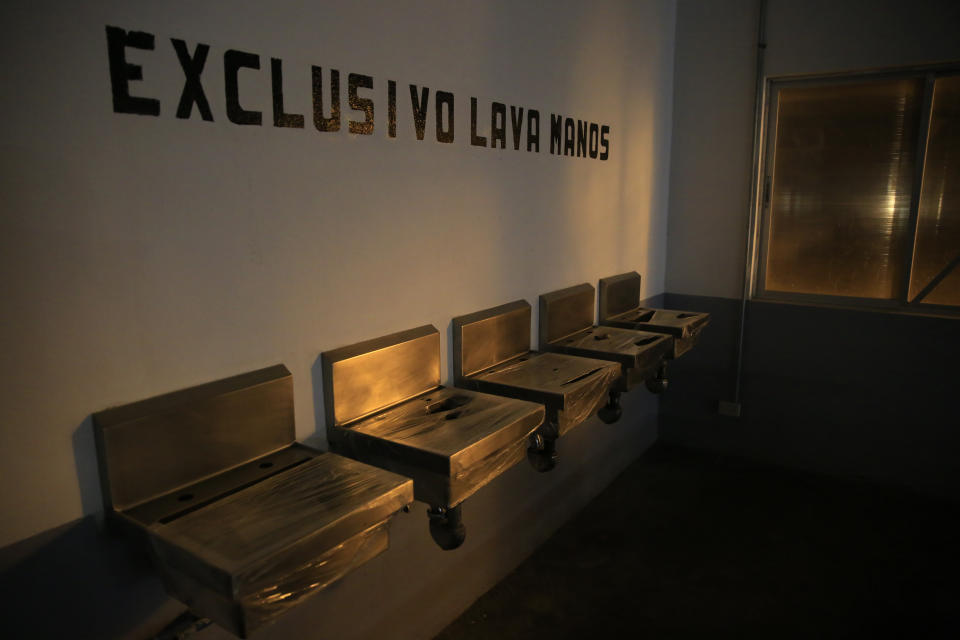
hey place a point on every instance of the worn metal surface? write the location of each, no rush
(325, 499)
(152, 447)
(494, 336)
(620, 307)
(570, 388)
(618, 294)
(565, 312)
(685, 326)
(450, 441)
(270, 545)
(252, 538)
(268, 599)
(198, 494)
(638, 352)
(368, 376)
(566, 326)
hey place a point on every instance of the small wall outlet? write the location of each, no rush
(728, 408)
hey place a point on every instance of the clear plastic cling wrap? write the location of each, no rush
(248, 557)
(583, 400)
(267, 597)
(634, 348)
(571, 386)
(450, 441)
(465, 480)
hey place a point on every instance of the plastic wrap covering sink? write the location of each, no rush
(492, 354)
(620, 307)
(566, 326)
(639, 352)
(450, 441)
(243, 545)
(385, 406)
(574, 388)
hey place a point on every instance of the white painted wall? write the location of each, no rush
(141, 255)
(710, 154)
(713, 106)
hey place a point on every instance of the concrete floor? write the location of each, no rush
(690, 545)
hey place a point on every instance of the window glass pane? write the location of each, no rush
(840, 201)
(938, 227)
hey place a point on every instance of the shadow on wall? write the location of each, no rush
(77, 581)
(82, 579)
(450, 368)
(318, 439)
(88, 474)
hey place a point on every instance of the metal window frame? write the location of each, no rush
(761, 222)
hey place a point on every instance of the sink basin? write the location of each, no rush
(620, 307)
(450, 441)
(492, 354)
(639, 355)
(385, 406)
(243, 522)
(566, 326)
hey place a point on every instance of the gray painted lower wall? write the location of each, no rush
(840, 391)
(79, 582)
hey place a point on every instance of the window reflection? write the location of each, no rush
(840, 201)
(938, 226)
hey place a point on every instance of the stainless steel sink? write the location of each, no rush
(566, 326)
(385, 406)
(491, 353)
(243, 522)
(620, 307)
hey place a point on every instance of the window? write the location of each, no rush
(861, 197)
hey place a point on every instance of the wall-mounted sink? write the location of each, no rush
(492, 354)
(620, 307)
(243, 522)
(385, 406)
(566, 326)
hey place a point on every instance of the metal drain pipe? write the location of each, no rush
(732, 408)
